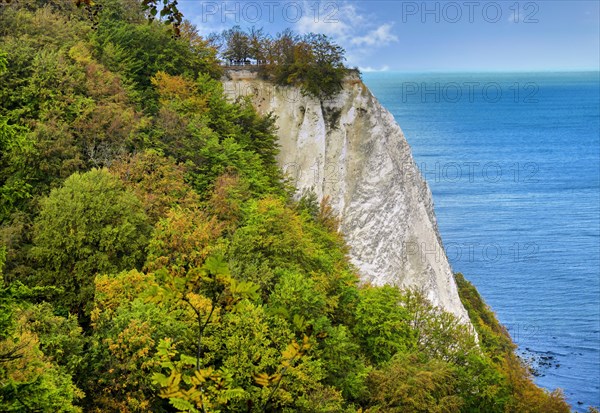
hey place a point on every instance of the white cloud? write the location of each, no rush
(381, 36)
(350, 27)
(370, 69)
(339, 22)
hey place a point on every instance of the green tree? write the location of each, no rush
(438, 333)
(237, 45)
(2, 62)
(312, 62)
(139, 51)
(32, 341)
(259, 44)
(210, 292)
(15, 173)
(199, 127)
(272, 239)
(90, 226)
(347, 367)
(382, 324)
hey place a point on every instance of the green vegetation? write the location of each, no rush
(89, 226)
(312, 62)
(152, 258)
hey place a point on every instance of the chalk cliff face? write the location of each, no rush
(351, 149)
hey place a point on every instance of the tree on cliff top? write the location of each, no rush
(313, 61)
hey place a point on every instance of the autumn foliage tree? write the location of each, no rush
(157, 181)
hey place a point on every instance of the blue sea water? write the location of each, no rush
(513, 161)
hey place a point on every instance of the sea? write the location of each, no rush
(513, 162)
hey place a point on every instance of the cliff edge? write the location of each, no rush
(351, 149)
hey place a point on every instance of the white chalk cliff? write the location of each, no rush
(351, 149)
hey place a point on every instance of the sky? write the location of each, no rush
(543, 35)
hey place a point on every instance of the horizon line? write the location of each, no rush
(594, 70)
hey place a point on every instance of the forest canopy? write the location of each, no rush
(153, 258)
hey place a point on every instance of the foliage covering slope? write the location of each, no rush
(152, 258)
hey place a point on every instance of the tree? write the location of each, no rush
(2, 62)
(438, 333)
(382, 323)
(346, 366)
(183, 240)
(29, 381)
(258, 44)
(210, 135)
(312, 62)
(158, 181)
(411, 383)
(226, 200)
(272, 240)
(237, 45)
(89, 226)
(128, 325)
(283, 48)
(211, 293)
(31, 343)
(326, 71)
(139, 51)
(15, 173)
(515, 389)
